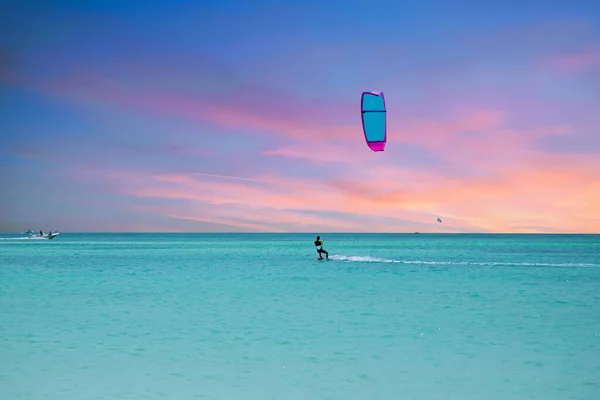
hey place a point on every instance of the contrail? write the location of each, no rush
(232, 177)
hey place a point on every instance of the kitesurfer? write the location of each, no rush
(319, 245)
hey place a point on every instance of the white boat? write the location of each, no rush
(42, 235)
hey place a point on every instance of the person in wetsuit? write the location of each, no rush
(319, 245)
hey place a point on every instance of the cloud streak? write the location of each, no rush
(578, 61)
(539, 196)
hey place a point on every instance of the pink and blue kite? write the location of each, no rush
(373, 112)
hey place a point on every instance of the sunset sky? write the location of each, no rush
(245, 116)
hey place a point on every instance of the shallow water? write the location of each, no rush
(256, 316)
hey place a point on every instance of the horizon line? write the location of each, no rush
(320, 233)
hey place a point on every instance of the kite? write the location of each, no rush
(373, 112)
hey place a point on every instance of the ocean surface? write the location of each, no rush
(257, 316)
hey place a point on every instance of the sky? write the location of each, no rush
(236, 116)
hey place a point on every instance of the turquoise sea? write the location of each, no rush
(257, 316)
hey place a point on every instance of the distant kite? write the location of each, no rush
(439, 220)
(373, 112)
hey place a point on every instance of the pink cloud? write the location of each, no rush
(375, 185)
(253, 109)
(574, 62)
(476, 126)
(252, 203)
(258, 219)
(479, 134)
(321, 152)
(432, 129)
(476, 138)
(511, 199)
(514, 185)
(349, 146)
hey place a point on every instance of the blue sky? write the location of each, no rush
(118, 113)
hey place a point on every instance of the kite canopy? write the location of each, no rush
(439, 220)
(373, 112)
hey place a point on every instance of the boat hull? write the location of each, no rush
(45, 236)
